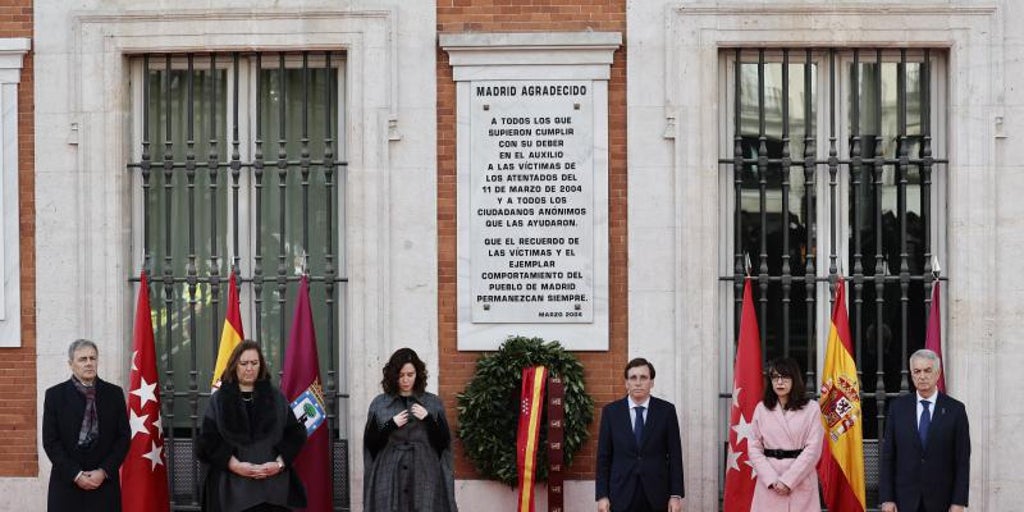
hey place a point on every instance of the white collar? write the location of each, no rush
(645, 404)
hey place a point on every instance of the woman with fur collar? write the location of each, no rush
(249, 439)
(407, 445)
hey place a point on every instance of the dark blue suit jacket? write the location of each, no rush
(658, 461)
(937, 473)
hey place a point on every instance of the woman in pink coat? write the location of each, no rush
(786, 444)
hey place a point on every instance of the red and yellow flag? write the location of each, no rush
(232, 333)
(841, 468)
(528, 436)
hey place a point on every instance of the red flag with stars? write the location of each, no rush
(144, 472)
(748, 389)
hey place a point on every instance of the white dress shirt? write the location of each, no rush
(931, 407)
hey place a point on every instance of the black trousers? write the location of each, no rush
(640, 502)
(266, 507)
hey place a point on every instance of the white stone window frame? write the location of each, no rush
(822, 222)
(12, 56)
(674, 97)
(106, 42)
(86, 224)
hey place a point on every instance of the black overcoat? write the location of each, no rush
(227, 432)
(63, 409)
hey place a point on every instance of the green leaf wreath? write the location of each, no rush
(489, 408)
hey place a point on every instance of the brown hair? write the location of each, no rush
(394, 366)
(639, 361)
(231, 370)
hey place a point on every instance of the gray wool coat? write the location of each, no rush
(408, 468)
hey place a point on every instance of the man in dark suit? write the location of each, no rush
(926, 452)
(85, 435)
(639, 454)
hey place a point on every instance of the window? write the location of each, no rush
(833, 163)
(236, 165)
(12, 52)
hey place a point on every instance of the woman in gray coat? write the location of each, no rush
(407, 445)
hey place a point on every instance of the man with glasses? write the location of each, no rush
(926, 452)
(639, 454)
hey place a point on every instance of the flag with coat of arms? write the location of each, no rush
(841, 467)
(302, 387)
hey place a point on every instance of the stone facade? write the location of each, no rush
(665, 301)
(674, 108)
(88, 221)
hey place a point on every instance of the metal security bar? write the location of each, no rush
(832, 172)
(216, 136)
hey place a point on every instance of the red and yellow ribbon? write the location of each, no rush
(528, 438)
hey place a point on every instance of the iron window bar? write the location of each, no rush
(862, 173)
(218, 165)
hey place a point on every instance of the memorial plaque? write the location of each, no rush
(531, 186)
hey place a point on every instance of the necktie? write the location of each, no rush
(638, 424)
(926, 421)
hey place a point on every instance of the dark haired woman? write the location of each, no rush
(786, 443)
(407, 446)
(249, 439)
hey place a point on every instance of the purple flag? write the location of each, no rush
(933, 338)
(301, 386)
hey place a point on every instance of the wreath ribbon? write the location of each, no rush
(531, 400)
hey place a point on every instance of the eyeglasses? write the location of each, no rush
(780, 378)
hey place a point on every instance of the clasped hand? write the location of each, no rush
(402, 418)
(254, 471)
(780, 488)
(90, 480)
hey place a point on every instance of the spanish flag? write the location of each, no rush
(528, 435)
(232, 333)
(841, 468)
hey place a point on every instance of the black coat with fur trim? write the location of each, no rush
(227, 431)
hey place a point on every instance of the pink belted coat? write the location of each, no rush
(777, 429)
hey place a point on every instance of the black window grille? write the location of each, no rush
(831, 169)
(236, 168)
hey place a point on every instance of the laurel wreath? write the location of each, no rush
(489, 407)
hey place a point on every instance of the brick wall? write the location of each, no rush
(603, 369)
(18, 365)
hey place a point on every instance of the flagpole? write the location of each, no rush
(933, 334)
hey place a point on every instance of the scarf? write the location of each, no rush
(90, 421)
